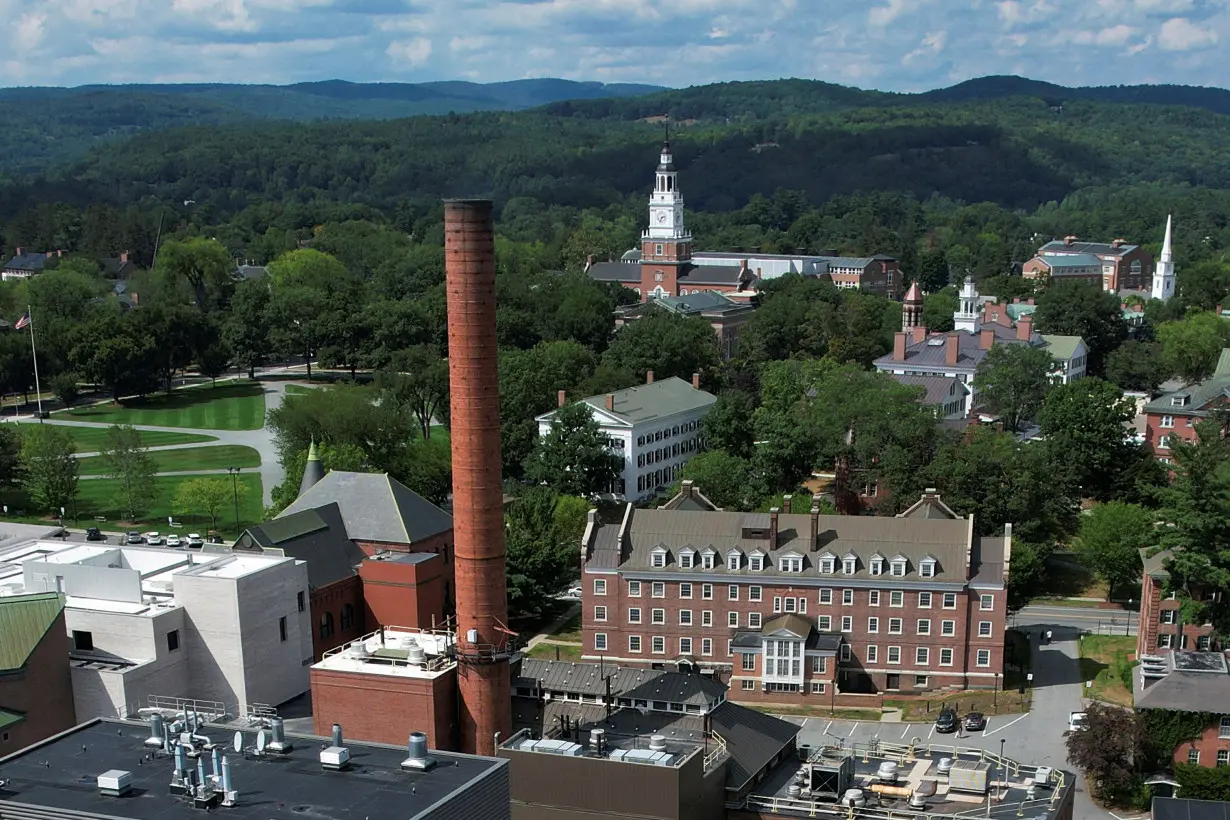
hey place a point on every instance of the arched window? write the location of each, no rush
(326, 625)
(347, 620)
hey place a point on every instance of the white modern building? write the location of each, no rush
(654, 428)
(147, 623)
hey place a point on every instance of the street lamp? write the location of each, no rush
(1003, 769)
(234, 471)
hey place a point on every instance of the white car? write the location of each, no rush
(574, 592)
(1077, 721)
(173, 541)
(154, 539)
(195, 541)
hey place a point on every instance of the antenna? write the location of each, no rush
(238, 744)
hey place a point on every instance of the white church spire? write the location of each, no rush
(1163, 273)
(966, 316)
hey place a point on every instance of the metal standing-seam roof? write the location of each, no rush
(1177, 808)
(375, 507)
(646, 402)
(24, 620)
(317, 537)
(584, 678)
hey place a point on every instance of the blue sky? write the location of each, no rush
(898, 45)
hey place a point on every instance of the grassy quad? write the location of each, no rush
(1107, 660)
(236, 406)
(94, 439)
(188, 459)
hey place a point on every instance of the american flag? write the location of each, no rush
(22, 322)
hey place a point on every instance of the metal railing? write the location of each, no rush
(717, 754)
(256, 713)
(212, 711)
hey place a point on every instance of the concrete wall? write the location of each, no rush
(274, 670)
(139, 639)
(42, 689)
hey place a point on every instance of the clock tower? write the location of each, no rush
(666, 246)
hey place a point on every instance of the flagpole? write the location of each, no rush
(38, 393)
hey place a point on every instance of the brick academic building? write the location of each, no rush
(784, 607)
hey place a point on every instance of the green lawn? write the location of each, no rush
(96, 498)
(569, 630)
(239, 406)
(190, 458)
(1107, 661)
(93, 439)
(298, 389)
(554, 651)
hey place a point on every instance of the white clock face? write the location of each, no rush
(662, 218)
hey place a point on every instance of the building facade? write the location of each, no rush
(654, 429)
(1161, 629)
(1174, 415)
(36, 689)
(795, 608)
(725, 315)
(1193, 682)
(1112, 266)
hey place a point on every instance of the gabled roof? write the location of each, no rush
(753, 739)
(118, 268)
(796, 625)
(33, 262)
(24, 620)
(1062, 347)
(318, 537)
(646, 402)
(1202, 396)
(1189, 686)
(938, 389)
(375, 507)
(1058, 246)
(929, 506)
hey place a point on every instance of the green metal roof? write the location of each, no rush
(1223, 364)
(8, 718)
(647, 402)
(1061, 347)
(1018, 309)
(24, 620)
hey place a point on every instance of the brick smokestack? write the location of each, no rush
(1024, 328)
(478, 516)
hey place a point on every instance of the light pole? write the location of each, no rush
(234, 471)
(1003, 769)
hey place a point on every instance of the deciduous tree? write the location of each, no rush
(1108, 750)
(573, 457)
(725, 479)
(1075, 308)
(49, 467)
(1110, 540)
(1012, 382)
(128, 464)
(1085, 425)
(1192, 345)
(203, 496)
(418, 381)
(1137, 365)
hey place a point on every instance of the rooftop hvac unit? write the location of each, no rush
(853, 798)
(417, 757)
(657, 743)
(335, 758)
(415, 655)
(968, 776)
(887, 773)
(115, 783)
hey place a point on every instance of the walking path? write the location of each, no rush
(545, 635)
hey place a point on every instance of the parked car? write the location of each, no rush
(975, 722)
(154, 539)
(947, 721)
(94, 534)
(173, 541)
(1077, 721)
(195, 541)
(134, 537)
(216, 539)
(574, 592)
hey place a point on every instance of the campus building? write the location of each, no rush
(36, 690)
(1113, 266)
(791, 608)
(1196, 682)
(1174, 415)
(1161, 629)
(725, 315)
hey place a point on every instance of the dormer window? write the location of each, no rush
(685, 559)
(790, 563)
(876, 566)
(658, 558)
(732, 561)
(706, 559)
(849, 565)
(897, 566)
(827, 563)
(926, 567)
(1180, 400)
(755, 562)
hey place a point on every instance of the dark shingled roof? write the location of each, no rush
(317, 536)
(33, 262)
(1196, 679)
(752, 738)
(930, 352)
(1058, 246)
(689, 273)
(938, 389)
(375, 507)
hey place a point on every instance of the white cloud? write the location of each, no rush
(1010, 11)
(1181, 34)
(1113, 36)
(411, 52)
(881, 16)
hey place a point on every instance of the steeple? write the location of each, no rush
(966, 316)
(666, 203)
(1163, 273)
(912, 308)
(313, 470)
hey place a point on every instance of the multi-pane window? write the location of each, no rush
(946, 657)
(658, 589)
(706, 560)
(658, 645)
(753, 593)
(790, 563)
(844, 654)
(920, 681)
(986, 602)
(599, 641)
(599, 613)
(948, 628)
(848, 566)
(826, 566)
(756, 563)
(924, 600)
(819, 665)
(685, 617)
(873, 625)
(600, 586)
(984, 629)
(749, 662)
(706, 592)
(817, 687)
(732, 593)
(926, 569)
(685, 559)
(924, 626)
(634, 614)
(876, 566)
(685, 646)
(657, 616)
(824, 623)
(747, 685)
(894, 626)
(634, 643)
(1223, 757)
(1224, 729)
(847, 623)
(826, 596)
(685, 590)
(1193, 757)
(896, 598)
(634, 589)
(894, 654)
(922, 656)
(950, 600)
(1168, 616)
(753, 620)
(706, 646)
(706, 617)
(898, 569)
(791, 604)
(732, 561)
(659, 560)
(873, 653)
(984, 657)
(847, 597)
(732, 619)
(873, 597)
(777, 603)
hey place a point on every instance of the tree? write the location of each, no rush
(10, 456)
(932, 270)
(1191, 346)
(296, 313)
(213, 359)
(667, 344)
(128, 464)
(64, 385)
(1085, 423)
(1137, 365)
(573, 458)
(203, 265)
(246, 330)
(1110, 540)
(725, 479)
(1204, 285)
(119, 353)
(203, 496)
(427, 468)
(418, 382)
(1012, 382)
(938, 310)
(1075, 308)
(1108, 750)
(49, 466)
(541, 537)
(728, 424)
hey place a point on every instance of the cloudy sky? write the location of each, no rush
(900, 45)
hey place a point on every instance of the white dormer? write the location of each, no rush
(687, 557)
(926, 567)
(734, 560)
(849, 564)
(827, 562)
(876, 564)
(898, 565)
(658, 556)
(707, 558)
(790, 562)
(755, 560)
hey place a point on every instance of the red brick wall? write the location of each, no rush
(1150, 609)
(1208, 744)
(333, 599)
(386, 708)
(42, 689)
(410, 595)
(440, 544)
(1154, 430)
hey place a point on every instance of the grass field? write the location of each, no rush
(1107, 661)
(569, 630)
(298, 389)
(1008, 702)
(239, 406)
(548, 652)
(93, 439)
(218, 457)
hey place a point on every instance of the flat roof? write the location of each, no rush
(387, 652)
(59, 774)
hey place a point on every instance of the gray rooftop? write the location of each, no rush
(317, 536)
(375, 507)
(1098, 248)
(706, 302)
(584, 678)
(688, 273)
(32, 262)
(1175, 808)
(1195, 680)
(937, 389)
(929, 353)
(1198, 398)
(647, 402)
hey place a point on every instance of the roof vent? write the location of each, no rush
(415, 654)
(337, 756)
(115, 783)
(418, 758)
(657, 743)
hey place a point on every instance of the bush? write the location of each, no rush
(64, 385)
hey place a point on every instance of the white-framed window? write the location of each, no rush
(946, 656)
(777, 603)
(732, 593)
(685, 646)
(920, 681)
(732, 619)
(634, 589)
(599, 641)
(756, 562)
(847, 597)
(790, 604)
(986, 602)
(1193, 757)
(894, 654)
(657, 589)
(1224, 729)
(924, 600)
(754, 593)
(657, 645)
(803, 605)
(706, 617)
(706, 646)
(685, 590)
(873, 653)
(896, 598)
(897, 567)
(924, 626)
(984, 629)
(685, 617)
(707, 560)
(844, 653)
(926, 568)
(634, 614)
(1168, 616)
(600, 613)
(826, 565)
(1163, 443)
(847, 623)
(876, 566)
(895, 626)
(658, 558)
(790, 563)
(600, 586)
(984, 657)
(849, 566)
(817, 687)
(948, 628)
(824, 623)
(747, 685)
(749, 662)
(873, 625)
(730, 648)
(922, 656)
(732, 561)
(950, 600)
(634, 644)
(685, 559)
(706, 592)
(826, 596)
(657, 616)
(873, 597)
(1223, 757)
(1167, 422)
(753, 620)
(819, 665)
(1163, 641)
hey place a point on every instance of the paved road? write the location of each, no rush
(1063, 619)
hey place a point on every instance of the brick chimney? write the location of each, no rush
(686, 487)
(123, 257)
(610, 402)
(563, 398)
(696, 381)
(814, 527)
(786, 503)
(899, 342)
(1116, 243)
(773, 513)
(589, 261)
(986, 338)
(19, 251)
(649, 377)
(952, 347)
(1029, 301)
(919, 334)
(1024, 328)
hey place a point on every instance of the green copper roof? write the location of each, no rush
(24, 620)
(8, 718)
(1061, 347)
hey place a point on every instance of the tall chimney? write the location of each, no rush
(478, 515)
(610, 402)
(648, 377)
(952, 348)
(919, 334)
(1024, 328)
(899, 343)
(986, 338)
(696, 376)
(773, 512)
(562, 398)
